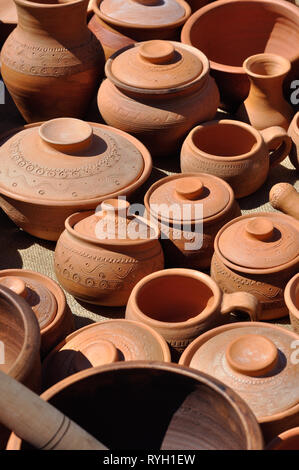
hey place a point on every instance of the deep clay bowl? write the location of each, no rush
(153, 405)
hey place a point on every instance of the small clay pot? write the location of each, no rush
(100, 267)
(288, 440)
(157, 91)
(103, 343)
(284, 197)
(162, 406)
(190, 208)
(47, 301)
(258, 254)
(294, 134)
(235, 152)
(181, 304)
(291, 297)
(51, 169)
(255, 359)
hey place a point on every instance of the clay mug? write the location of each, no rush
(291, 297)
(235, 152)
(283, 196)
(181, 304)
(294, 134)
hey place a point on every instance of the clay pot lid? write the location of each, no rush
(68, 160)
(196, 196)
(156, 65)
(253, 358)
(37, 295)
(260, 242)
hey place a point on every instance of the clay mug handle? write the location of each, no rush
(243, 301)
(277, 139)
(37, 422)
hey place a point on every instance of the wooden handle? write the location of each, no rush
(39, 423)
(283, 196)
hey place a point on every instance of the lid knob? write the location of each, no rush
(260, 228)
(95, 354)
(147, 2)
(116, 206)
(157, 51)
(252, 355)
(189, 188)
(66, 134)
(15, 284)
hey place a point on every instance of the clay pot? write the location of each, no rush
(100, 267)
(160, 402)
(230, 31)
(294, 134)
(255, 360)
(291, 297)
(259, 255)
(103, 343)
(235, 152)
(117, 24)
(190, 209)
(288, 440)
(157, 91)
(284, 197)
(181, 304)
(63, 165)
(265, 105)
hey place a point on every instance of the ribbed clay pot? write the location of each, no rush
(291, 297)
(284, 197)
(288, 440)
(294, 134)
(51, 63)
(162, 406)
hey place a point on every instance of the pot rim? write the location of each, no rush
(289, 294)
(283, 437)
(29, 3)
(285, 64)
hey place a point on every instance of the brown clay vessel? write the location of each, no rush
(287, 440)
(294, 134)
(291, 297)
(284, 197)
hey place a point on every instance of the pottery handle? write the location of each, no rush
(279, 143)
(37, 422)
(242, 301)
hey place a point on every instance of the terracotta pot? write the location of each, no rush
(202, 203)
(255, 360)
(117, 24)
(291, 296)
(101, 267)
(181, 304)
(259, 255)
(161, 402)
(63, 165)
(47, 301)
(157, 91)
(19, 344)
(243, 28)
(284, 197)
(235, 152)
(288, 440)
(294, 134)
(103, 343)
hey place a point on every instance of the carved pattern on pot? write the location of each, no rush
(225, 169)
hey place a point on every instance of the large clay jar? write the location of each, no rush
(190, 209)
(294, 134)
(103, 343)
(258, 254)
(100, 257)
(234, 151)
(230, 31)
(157, 91)
(47, 300)
(51, 63)
(181, 304)
(256, 360)
(153, 405)
(291, 297)
(119, 23)
(49, 171)
(287, 440)
(284, 197)
(265, 105)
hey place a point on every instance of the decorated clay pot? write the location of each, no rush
(294, 134)
(51, 170)
(103, 343)
(118, 23)
(255, 359)
(157, 91)
(287, 440)
(284, 197)
(291, 297)
(50, 66)
(235, 152)
(258, 254)
(230, 31)
(101, 256)
(190, 209)
(181, 304)
(161, 403)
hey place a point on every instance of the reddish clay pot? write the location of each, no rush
(117, 25)
(63, 165)
(243, 28)
(294, 134)
(235, 152)
(255, 359)
(47, 301)
(51, 67)
(161, 403)
(203, 204)
(259, 255)
(284, 197)
(288, 440)
(157, 91)
(102, 269)
(291, 297)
